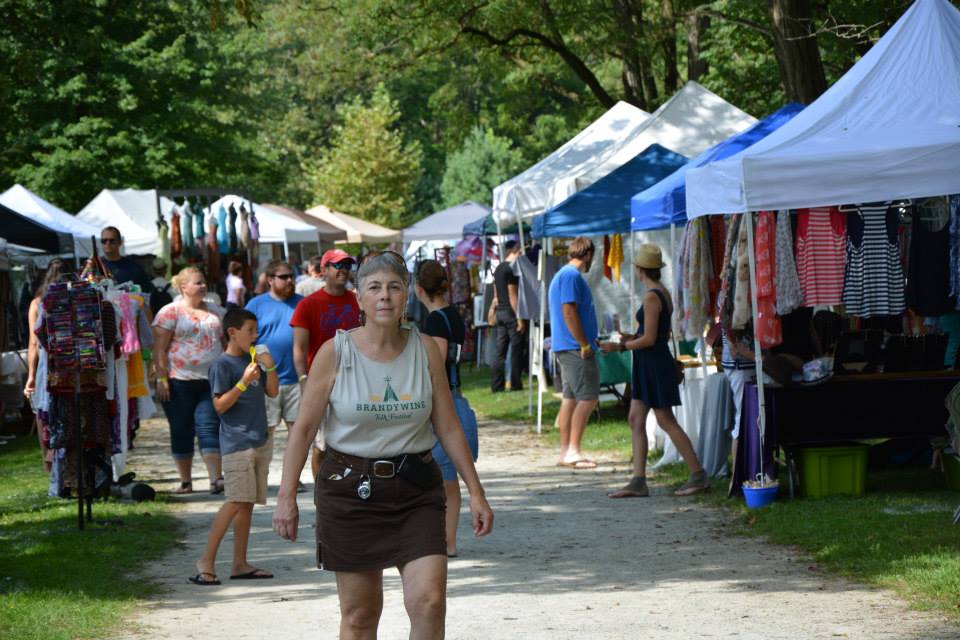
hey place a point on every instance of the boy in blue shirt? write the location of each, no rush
(240, 385)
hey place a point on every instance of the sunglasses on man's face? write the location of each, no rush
(109, 240)
(340, 266)
(283, 276)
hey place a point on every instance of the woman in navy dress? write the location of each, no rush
(654, 380)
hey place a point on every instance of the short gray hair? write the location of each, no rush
(383, 262)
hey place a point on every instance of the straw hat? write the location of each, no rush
(648, 256)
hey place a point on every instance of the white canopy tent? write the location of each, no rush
(447, 224)
(357, 230)
(888, 129)
(133, 212)
(30, 205)
(693, 120)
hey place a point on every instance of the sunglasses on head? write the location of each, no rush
(283, 276)
(373, 254)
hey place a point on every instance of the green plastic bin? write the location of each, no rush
(830, 471)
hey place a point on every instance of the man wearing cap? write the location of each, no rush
(319, 315)
(573, 319)
(274, 310)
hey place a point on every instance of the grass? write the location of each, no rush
(56, 581)
(897, 536)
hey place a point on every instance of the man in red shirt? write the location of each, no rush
(319, 315)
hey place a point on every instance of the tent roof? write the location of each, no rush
(30, 205)
(133, 212)
(665, 203)
(604, 206)
(690, 122)
(357, 230)
(275, 227)
(326, 231)
(19, 229)
(447, 224)
(888, 129)
(487, 226)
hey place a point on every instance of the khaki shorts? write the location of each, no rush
(581, 378)
(245, 473)
(285, 406)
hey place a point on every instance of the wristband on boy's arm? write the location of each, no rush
(241, 386)
(302, 377)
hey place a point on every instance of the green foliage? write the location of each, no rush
(484, 161)
(368, 170)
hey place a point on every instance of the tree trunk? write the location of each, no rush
(629, 16)
(668, 45)
(795, 46)
(697, 25)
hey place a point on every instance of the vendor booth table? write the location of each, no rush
(844, 408)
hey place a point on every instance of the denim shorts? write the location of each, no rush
(191, 415)
(468, 420)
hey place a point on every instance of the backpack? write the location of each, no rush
(160, 298)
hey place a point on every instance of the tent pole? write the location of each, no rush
(538, 341)
(758, 356)
(520, 232)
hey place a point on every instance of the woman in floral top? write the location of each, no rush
(188, 338)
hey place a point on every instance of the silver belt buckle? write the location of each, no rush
(381, 464)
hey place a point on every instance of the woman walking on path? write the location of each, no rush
(446, 327)
(379, 494)
(188, 337)
(654, 379)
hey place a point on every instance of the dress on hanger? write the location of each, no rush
(243, 235)
(176, 240)
(928, 273)
(873, 281)
(232, 230)
(768, 330)
(187, 231)
(789, 294)
(223, 235)
(821, 252)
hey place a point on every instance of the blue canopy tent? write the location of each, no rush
(665, 203)
(604, 206)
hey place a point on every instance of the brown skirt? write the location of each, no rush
(400, 521)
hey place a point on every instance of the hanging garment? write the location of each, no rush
(718, 234)
(254, 226)
(789, 294)
(243, 234)
(176, 240)
(163, 232)
(954, 205)
(821, 252)
(928, 274)
(725, 295)
(223, 234)
(768, 329)
(459, 282)
(697, 273)
(741, 292)
(873, 279)
(607, 271)
(615, 259)
(213, 252)
(189, 241)
(681, 287)
(199, 232)
(232, 230)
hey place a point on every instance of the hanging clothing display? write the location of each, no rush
(189, 241)
(607, 271)
(243, 234)
(821, 253)
(213, 252)
(615, 259)
(718, 235)
(176, 240)
(232, 230)
(728, 269)
(928, 279)
(768, 329)
(789, 293)
(254, 226)
(459, 282)
(741, 292)
(696, 273)
(873, 279)
(223, 234)
(199, 232)
(163, 233)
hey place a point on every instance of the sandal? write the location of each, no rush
(185, 487)
(216, 487)
(636, 488)
(696, 484)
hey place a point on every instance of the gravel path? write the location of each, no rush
(563, 562)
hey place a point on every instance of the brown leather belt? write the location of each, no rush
(376, 467)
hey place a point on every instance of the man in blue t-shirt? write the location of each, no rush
(573, 323)
(274, 310)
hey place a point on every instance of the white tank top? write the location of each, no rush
(380, 409)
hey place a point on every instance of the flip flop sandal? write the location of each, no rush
(200, 580)
(636, 488)
(216, 487)
(256, 574)
(185, 487)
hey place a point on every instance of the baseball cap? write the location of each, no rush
(334, 256)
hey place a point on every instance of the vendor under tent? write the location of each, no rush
(357, 230)
(32, 206)
(447, 224)
(690, 122)
(28, 233)
(888, 129)
(133, 212)
(327, 232)
(665, 203)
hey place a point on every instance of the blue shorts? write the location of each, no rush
(468, 419)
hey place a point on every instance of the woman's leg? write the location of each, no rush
(681, 441)
(361, 602)
(425, 596)
(637, 486)
(179, 412)
(452, 489)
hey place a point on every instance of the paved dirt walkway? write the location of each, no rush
(563, 562)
